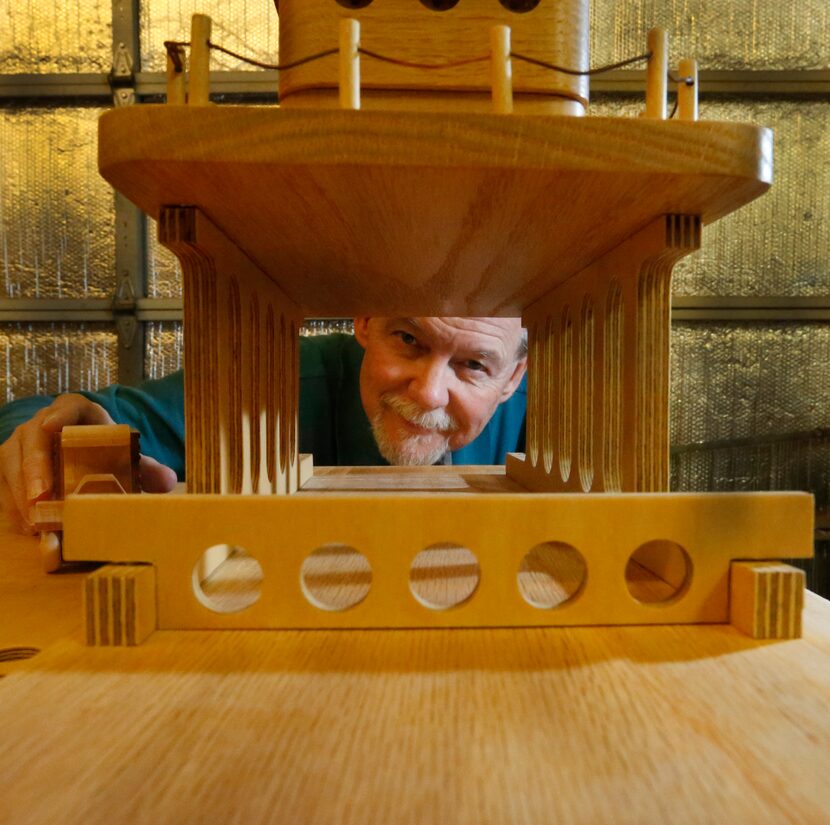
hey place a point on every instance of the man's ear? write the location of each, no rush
(361, 331)
(513, 384)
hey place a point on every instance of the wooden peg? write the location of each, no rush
(657, 75)
(199, 82)
(501, 70)
(349, 64)
(175, 77)
(687, 90)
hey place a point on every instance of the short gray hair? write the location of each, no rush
(521, 352)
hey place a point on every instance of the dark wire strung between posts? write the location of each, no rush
(172, 47)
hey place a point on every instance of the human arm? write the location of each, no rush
(155, 409)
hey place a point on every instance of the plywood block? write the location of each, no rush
(120, 605)
(620, 539)
(766, 599)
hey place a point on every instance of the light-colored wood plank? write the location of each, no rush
(410, 213)
(499, 528)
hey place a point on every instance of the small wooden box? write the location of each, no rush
(556, 31)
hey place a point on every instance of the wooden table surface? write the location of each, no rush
(619, 725)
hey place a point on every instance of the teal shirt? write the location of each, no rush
(333, 424)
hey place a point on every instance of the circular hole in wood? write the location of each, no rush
(336, 577)
(552, 574)
(444, 575)
(227, 579)
(658, 572)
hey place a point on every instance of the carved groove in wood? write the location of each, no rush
(598, 371)
(239, 328)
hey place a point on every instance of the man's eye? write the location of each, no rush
(475, 366)
(409, 340)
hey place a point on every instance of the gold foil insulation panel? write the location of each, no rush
(726, 34)
(46, 359)
(249, 27)
(780, 244)
(57, 222)
(40, 37)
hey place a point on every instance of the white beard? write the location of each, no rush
(413, 450)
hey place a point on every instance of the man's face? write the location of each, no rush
(432, 384)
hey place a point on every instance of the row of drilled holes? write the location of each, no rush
(442, 576)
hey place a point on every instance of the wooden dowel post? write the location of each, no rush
(349, 64)
(658, 74)
(687, 92)
(501, 70)
(175, 78)
(199, 85)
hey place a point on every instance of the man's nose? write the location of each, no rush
(429, 386)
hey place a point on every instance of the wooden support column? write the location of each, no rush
(687, 90)
(598, 369)
(657, 75)
(242, 364)
(501, 71)
(176, 94)
(199, 81)
(349, 63)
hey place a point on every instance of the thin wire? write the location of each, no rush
(172, 47)
(674, 109)
(172, 50)
(281, 67)
(582, 72)
(411, 65)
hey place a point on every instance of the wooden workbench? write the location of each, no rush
(623, 725)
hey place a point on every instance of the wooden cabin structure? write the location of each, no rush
(476, 187)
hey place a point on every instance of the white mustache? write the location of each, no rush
(439, 419)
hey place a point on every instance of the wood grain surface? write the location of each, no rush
(605, 725)
(499, 528)
(437, 214)
(408, 31)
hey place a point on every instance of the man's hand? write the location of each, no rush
(26, 473)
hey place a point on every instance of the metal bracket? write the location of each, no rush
(122, 77)
(124, 306)
(124, 299)
(122, 66)
(126, 326)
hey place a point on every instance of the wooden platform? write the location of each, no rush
(590, 726)
(496, 531)
(444, 214)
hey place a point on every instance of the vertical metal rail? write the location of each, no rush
(130, 223)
